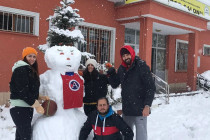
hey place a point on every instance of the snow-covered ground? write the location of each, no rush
(185, 118)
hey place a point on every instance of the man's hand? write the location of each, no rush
(145, 112)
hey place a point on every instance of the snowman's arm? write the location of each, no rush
(43, 84)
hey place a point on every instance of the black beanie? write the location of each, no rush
(124, 51)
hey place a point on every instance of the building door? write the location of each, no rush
(158, 50)
(159, 55)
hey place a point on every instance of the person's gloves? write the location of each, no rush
(38, 107)
(108, 65)
(111, 71)
(80, 72)
(36, 104)
(40, 110)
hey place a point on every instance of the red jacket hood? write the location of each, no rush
(132, 52)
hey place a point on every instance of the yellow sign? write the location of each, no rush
(194, 6)
(131, 1)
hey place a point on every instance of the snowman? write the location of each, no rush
(68, 120)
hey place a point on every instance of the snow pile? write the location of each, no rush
(206, 75)
(185, 118)
(73, 34)
(114, 97)
(7, 127)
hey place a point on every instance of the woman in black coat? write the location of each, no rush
(95, 86)
(24, 88)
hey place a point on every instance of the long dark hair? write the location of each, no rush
(34, 67)
(90, 76)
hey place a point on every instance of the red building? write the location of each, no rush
(174, 42)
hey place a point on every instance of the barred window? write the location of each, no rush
(181, 55)
(98, 43)
(16, 23)
(206, 50)
(17, 20)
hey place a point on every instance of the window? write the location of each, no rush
(99, 42)
(16, 20)
(181, 56)
(206, 50)
(132, 39)
(16, 23)
(158, 55)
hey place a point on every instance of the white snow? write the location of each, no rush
(114, 97)
(185, 118)
(73, 34)
(206, 75)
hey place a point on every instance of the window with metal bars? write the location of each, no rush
(98, 43)
(16, 23)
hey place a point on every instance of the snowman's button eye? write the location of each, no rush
(61, 53)
(72, 53)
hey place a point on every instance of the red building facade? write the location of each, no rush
(174, 43)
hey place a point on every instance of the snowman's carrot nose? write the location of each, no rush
(68, 58)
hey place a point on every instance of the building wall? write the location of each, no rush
(103, 13)
(93, 11)
(176, 80)
(12, 44)
(174, 77)
(179, 79)
(4, 98)
(173, 14)
(204, 38)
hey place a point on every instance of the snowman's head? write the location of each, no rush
(63, 58)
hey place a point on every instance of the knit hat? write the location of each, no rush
(91, 61)
(124, 51)
(28, 50)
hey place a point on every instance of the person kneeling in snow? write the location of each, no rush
(106, 124)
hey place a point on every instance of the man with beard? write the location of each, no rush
(138, 90)
(106, 124)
